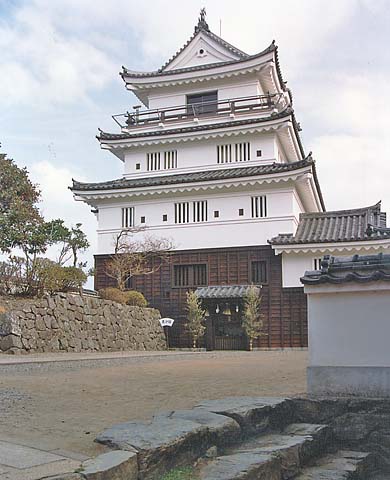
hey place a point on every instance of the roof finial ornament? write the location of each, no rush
(202, 24)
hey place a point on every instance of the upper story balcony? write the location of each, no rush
(199, 108)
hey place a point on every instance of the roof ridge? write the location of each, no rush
(341, 212)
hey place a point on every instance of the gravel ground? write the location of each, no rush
(63, 405)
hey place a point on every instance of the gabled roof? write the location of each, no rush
(359, 268)
(202, 26)
(163, 72)
(204, 176)
(337, 226)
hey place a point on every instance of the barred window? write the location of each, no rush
(190, 275)
(170, 159)
(128, 217)
(153, 161)
(161, 160)
(182, 212)
(259, 206)
(259, 272)
(317, 263)
(233, 152)
(199, 210)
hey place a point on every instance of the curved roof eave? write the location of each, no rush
(131, 74)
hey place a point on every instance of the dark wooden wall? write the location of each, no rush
(285, 309)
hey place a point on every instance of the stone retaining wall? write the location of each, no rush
(75, 323)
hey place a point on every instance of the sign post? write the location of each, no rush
(166, 323)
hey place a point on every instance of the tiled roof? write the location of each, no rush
(359, 268)
(204, 176)
(224, 291)
(199, 128)
(337, 226)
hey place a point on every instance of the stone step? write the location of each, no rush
(342, 465)
(273, 456)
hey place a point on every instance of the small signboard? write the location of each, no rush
(166, 322)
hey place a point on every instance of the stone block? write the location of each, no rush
(9, 342)
(254, 414)
(115, 465)
(171, 439)
(9, 324)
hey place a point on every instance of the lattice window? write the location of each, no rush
(259, 272)
(190, 275)
(153, 161)
(182, 212)
(170, 159)
(233, 152)
(161, 160)
(199, 210)
(128, 217)
(317, 263)
(259, 206)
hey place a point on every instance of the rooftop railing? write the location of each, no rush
(230, 107)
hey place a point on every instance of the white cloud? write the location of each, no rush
(353, 170)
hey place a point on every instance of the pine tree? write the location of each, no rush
(253, 319)
(195, 316)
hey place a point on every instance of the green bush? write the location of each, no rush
(135, 299)
(49, 277)
(113, 294)
(129, 297)
(72, 278)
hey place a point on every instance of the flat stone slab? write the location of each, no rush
(293, 447)
(19, 456)
(254, 414)
(171, 439)
(116, 465)
(61, 469)
(342, 465)
(242, 466)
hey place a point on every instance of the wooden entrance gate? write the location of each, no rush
(225, 332)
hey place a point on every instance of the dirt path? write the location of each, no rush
(66, 409)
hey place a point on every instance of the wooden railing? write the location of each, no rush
(239, 106)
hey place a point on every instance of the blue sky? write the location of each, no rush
(59, 82)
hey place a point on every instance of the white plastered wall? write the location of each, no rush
(229, 229)
(200, 155)
(349, 328)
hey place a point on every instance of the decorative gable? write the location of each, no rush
(201, 50)
(204, 47)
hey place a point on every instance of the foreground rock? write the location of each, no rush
(254, 414)
(116, 465)
(172, 439)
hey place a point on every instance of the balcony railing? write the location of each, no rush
(230, 107)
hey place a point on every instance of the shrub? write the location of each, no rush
(72, 278)
(135, 299)
(2, 309)
(114, 294)
(50, 277)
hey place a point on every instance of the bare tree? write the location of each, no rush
(134, 256)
